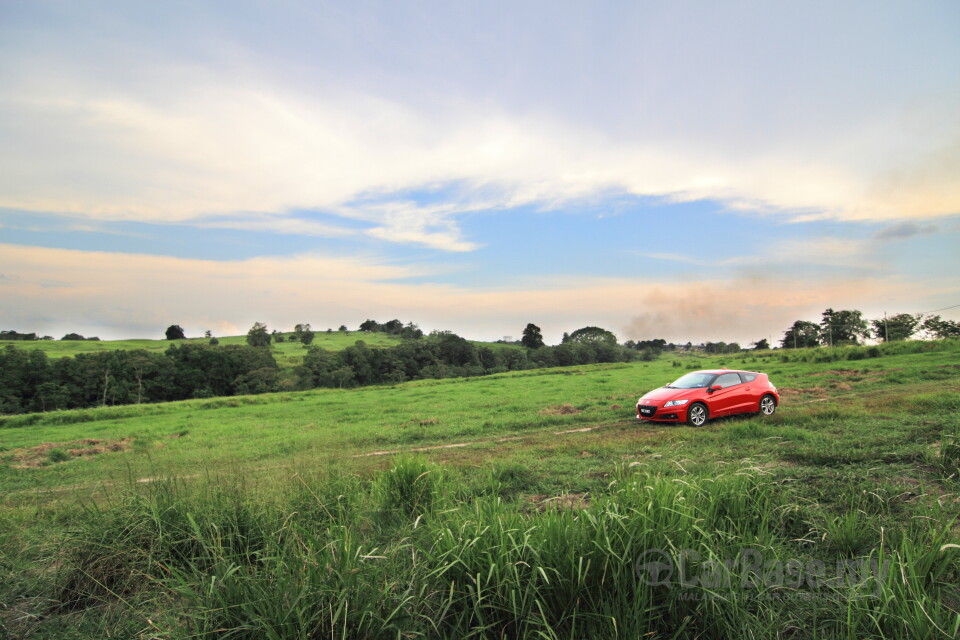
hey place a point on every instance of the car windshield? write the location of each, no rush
(696, 380)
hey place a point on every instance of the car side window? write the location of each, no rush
(727, 380)
(748, 377)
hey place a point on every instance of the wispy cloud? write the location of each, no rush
(904, 230)
(672, 257)
(827, 252)
(819, 251)
(277, 223)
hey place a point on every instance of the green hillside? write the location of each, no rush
(286, 352)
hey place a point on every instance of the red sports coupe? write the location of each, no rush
(701, 395)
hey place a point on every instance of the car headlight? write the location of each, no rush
(676, 403)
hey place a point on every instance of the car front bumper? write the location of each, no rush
(661, 414)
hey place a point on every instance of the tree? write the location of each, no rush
(258, 335)
(843, 327)
(802, 335)
(715, 347)
(369, 325)
(175, 332)
(392, 327)
(14, 335)
(208, 334)
(411, 332)
(761, 345)
(897, 327)
(73, 336)
(532, 338)
(939, 328)
(303, 333)
(52, 396)
(593, 335)
(342, 329)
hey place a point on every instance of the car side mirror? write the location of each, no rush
(715, 387)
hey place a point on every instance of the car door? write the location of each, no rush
(726, 399)
(750, 396)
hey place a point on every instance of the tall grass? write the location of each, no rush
(414, 552)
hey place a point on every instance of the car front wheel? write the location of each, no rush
(697, 415)
(768, 405)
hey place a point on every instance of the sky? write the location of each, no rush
(681, 170)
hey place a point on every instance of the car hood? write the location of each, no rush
(658, 396)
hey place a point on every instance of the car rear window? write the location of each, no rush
(748, 377)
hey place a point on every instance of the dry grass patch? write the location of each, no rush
(818, 393)
(48, 453)
(567, 501)
(560, 410)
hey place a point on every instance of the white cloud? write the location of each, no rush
(693, 104)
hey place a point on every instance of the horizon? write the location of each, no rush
(706, 174)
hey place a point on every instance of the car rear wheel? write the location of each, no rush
(768, 405)
(697, 415)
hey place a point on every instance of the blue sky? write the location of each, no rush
(676, 170)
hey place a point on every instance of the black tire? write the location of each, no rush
(697, 414)
(768, 405)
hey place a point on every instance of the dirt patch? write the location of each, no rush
(851, 373)
(48, 453)
(419, 422)
(794, 392)
(455, 445)
(615, 407)
(560, 410)
(568, 501)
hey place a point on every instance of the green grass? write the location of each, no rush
(286, 352)
(348, 513)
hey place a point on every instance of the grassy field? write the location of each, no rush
(515, 505)
(287, 353)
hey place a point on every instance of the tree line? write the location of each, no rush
(16, 335)
(849, 327)
(442, 354)
(30, 381)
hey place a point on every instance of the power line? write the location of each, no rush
(944, 309)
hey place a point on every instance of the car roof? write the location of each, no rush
(718, 371)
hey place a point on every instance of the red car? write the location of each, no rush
(701, 395)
